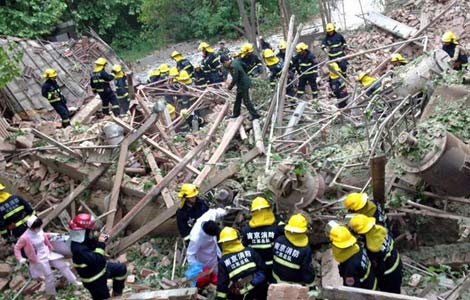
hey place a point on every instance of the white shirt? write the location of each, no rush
(37, 239)
(203, 247)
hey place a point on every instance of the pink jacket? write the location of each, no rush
(25, 243)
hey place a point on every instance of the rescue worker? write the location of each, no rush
(184, 80)
(382, 252)
(153, 76)
(14, 213)
(122, 91)
(334, 45)
(222, 49)
(89, 260)
(51, 91)
(241, 271)
(398, 60)
(337, 84)
(193, 121)
(261, 232)
(199, 77)
(274, 65)
(360, 203)
(243, 83)
(182, 63)
(100, 80)
(305, 64)
(354, 266)
(171, 111)
(253, 64)
(190, 209)
(370, 83)
(164, 71)
(292, 256)
(210, 64)
(282, 55)
(282, 50)
(456, 52)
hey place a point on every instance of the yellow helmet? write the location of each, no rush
(361, 223)
(334, 67)
(171, 110)
(203, 46)
(101, 61)
(2, 187)
(301, 47)
(49, 73)
(330, 27)
(117, 69)
(247, 48)
(268, 53)
(188, 190)
(297, 224)
(361, 75)
(237, 54)
(259, 203)
(282, 45)
(174, 71)
(175, 54)
(355, 201)
(183, 76)
(164, 68)
(269, 57)
(341, 237)
(154, 72)
(397, 57)
(449, 37)
(227, 234)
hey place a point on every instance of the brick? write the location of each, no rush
(3, 283)
(285, 291)
(146, 272)
(5, 270)
(17, 282)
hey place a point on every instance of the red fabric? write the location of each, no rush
(25, 243)
(203, 281)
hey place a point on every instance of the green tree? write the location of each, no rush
(9, 60)
(30, 18)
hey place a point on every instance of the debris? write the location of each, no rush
(5, 270)
(286, 291)
(415, 279)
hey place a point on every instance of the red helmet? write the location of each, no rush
(82, 221)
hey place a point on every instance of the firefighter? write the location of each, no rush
(164, 71)
(281, 54)
(398, 60)
(382, 252)
(153, 76)
(210, 64)
(89, 260)
(360, 203)
(122, 91)
(274, 65)
(354, 266)
(171, 111)
(337, 84)
(243, 83)
(199, 77)
(456, 52)
(334, 45)
(305, 64)
(182, 63)
(371, 83)
(241, 271)
(193, 121)
(190, 209)
(261, 232)
(100, 80)
(14, 213)
(184, 81)
(51, 91)
(292, 256)
(253, 64)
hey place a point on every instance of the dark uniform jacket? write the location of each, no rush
(153, 78)
(253, 64)
(199, 77)
(88, 259)
(357, 271)
(292, 263)
(100, 82)
(187, 215)
(185, 65)
(450, 50)
(261, 239)
(387, 259)
(275, 71)
(51, 91)
(304, 64)
(239, 76)
(336, 43)
(212, 67)
(14, 212)
(121, 88)
(234, 268)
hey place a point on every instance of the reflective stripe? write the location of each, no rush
(261, 246)
(367, 273)
(21, 222)
(306, 65)
(300, 92)
(278, 280)
(11, 213)
(98, 80)
(123, 277)
(375, 284)
(335, 54)
(286, 263)
(2, 232)
(115, 106)
(336, 45)
(99, 90)
(123, 96)
(99, 251)
(395, 265)
(269, 262)
(96, 277)
(80, 265)
(310, 72)
(246, 289)
(186, 238)
(221, 295)
(241, 269)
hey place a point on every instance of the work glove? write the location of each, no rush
(23, 261)
(258, 278)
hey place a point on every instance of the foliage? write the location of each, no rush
(30, 18)
(9, 60)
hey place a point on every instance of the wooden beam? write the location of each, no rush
(377, 167)
(138, 207)
(230, 132)
(348, 293)
(55, 143)
(181, 294)
(157, 173)
(258, 134)
(87, 111)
